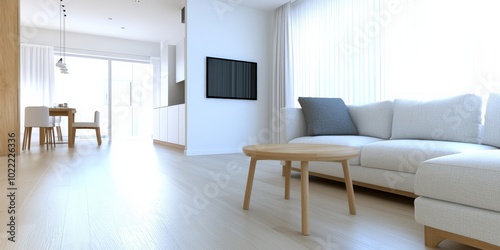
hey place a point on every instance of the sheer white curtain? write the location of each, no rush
(365, 51)
(282, 93)
(337, 50)
(37, 76)
(443, 48)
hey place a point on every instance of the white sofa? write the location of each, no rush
(410, 148)
(459, 195)
(459, 199)
(394, 137)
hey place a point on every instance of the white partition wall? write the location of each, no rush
(224, 125)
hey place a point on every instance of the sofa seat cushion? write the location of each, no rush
(345, 140)
(471, 178)
(406, 155)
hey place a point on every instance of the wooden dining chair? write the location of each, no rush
(56, 122)
(89, 125)
(38, 117)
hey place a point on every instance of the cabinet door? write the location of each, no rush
(164, 91)
(163, 124)
(182, 124)
(173, 124)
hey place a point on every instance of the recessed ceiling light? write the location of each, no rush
(122, 28)
(110, 18)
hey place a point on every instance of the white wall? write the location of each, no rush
(91, 44)
(224, 125)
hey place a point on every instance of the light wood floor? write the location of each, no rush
(137, 195)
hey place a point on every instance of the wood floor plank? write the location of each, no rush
(138, 195)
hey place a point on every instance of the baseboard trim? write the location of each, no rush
(168, 144)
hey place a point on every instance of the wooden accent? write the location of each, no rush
(97, 133)
(349, 188)
(358, 183)
(9, 74)
(27, 137)
(287, 174)
(304, 196)
(48, 136)
(70, 113)
(248, 189)
(303, 153)
(434, 236)
(59, 133)
(168, 144)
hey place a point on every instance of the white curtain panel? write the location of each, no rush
(366, 51)
(37, 77)
(443, 48)
(282, 91)
(337, 50)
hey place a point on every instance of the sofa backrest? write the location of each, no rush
(455, 118)
(373, 119)
(492, 121)
(292, 124)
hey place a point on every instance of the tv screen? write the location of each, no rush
(231, 79)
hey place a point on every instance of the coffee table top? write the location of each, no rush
(301, 152)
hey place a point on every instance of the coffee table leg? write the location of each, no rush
(288, 173)
(349, 188)
(304, 180)
(248, 191)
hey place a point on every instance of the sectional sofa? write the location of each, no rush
(440, 151)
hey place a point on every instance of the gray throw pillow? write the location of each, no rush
(327, 116)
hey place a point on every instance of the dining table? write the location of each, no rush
(63, 111)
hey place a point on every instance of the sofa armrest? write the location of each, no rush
(292, 124)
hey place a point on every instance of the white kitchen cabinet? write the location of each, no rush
(170, 124)
(163, 124)
(182, 124)
(173, 124)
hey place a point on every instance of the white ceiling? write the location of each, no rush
(143, 20)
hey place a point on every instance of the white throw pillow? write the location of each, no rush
(373, 119)
(491, 134)
(452, 119)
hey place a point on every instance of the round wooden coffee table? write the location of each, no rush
(303, 153)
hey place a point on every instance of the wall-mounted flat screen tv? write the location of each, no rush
(231, 79)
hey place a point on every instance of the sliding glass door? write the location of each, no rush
(85, 88)
(131, 100)
(120, 90)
